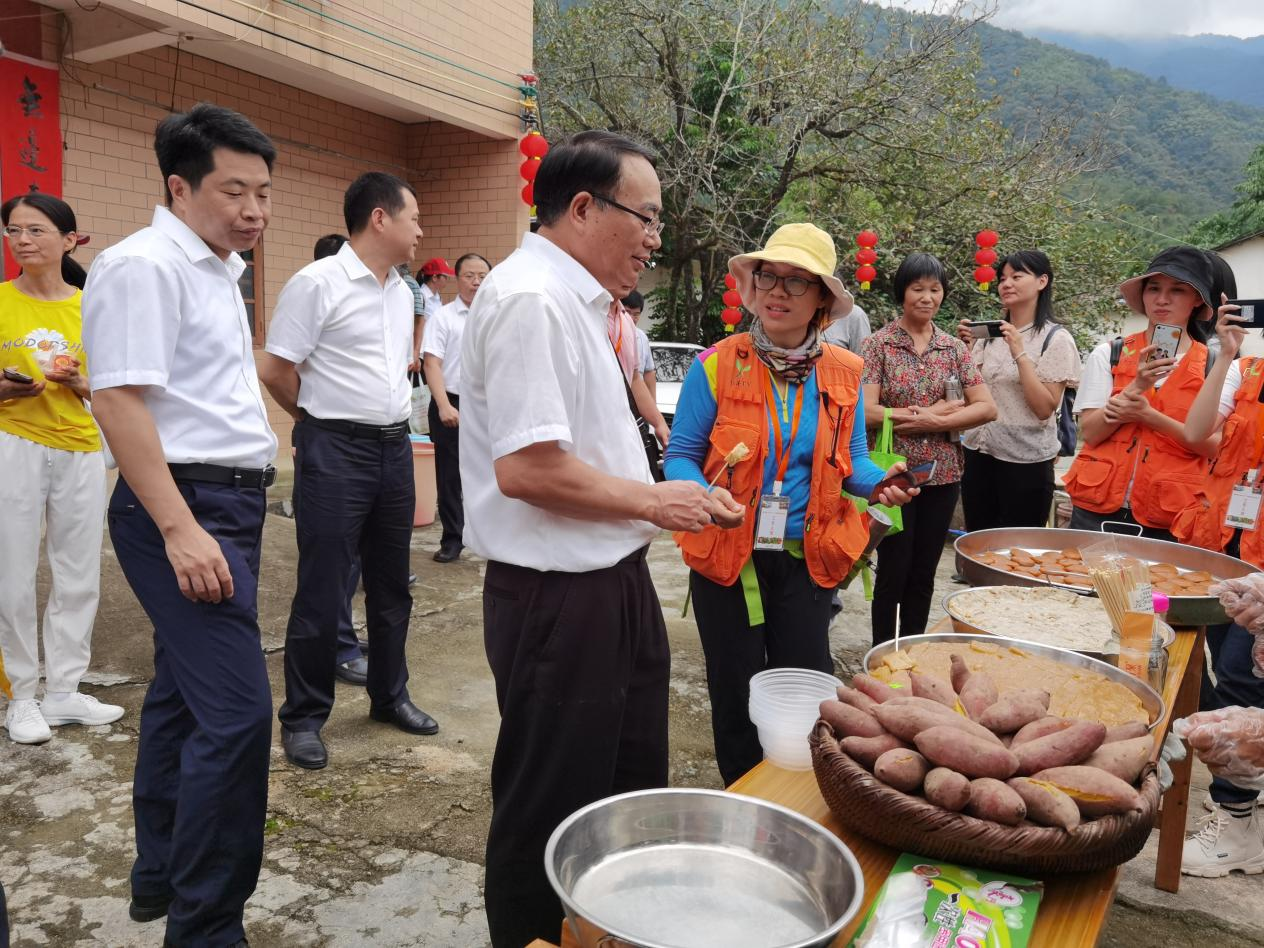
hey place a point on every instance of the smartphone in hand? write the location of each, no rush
(1166, 340)
(1251, 313)
(915, 476)
(13, 375)
(985, 328)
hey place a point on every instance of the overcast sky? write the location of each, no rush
(1123, 17)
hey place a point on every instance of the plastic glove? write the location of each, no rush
(1173, 749)
(1243, 600)
(1230, 742)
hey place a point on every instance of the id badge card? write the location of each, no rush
(770, 527)
(1244, 508)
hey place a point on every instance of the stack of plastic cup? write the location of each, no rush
(784, 705)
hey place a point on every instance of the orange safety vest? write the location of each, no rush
(1241, 448)
(1165, 474)
(835, 533)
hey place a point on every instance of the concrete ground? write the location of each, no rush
(384, 847)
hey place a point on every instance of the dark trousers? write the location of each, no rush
(4, 921)
(996, 493)
(794, 634)
(581, 664)
(907, 562)
(448, 475)
(1235, 685)
(353, 497)
(348, 644)
(1082, 519)
(201, 787)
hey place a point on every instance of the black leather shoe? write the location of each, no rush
(304, 749)
(446, 554)
(237, 944)
(354, 672)
(148, 908)
(407, 717)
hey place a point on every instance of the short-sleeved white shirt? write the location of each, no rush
(537, 366)
(1232, 382)
(442, 340)
(431, 299)
(1097, 380)
(351, 337)
(163, 311)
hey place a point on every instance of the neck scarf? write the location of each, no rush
(792, 365)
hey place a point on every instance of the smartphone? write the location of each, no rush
(1251, 313)
(915, 476)
(13, 375)
(983, 328)
(1165, 339)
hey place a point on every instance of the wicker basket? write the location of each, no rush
(879, 813)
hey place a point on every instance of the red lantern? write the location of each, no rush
(867, 238)
(530, 168)
(533, 145)
(985, 257)
(986, 238)
(983, 276)
(730, 281)
(732, 299)
(528, 194)
(865, 275)
(731, 316)
(868, 256)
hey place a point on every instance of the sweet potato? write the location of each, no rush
(947, 789)
(992, 800)
(965, 753)
(857, 699)
(1125, 732)
(1071, 745)
(872, 688)
(867, 750)
(935, 689)
(1094, 791)
(1046, 804)
(927, 703)
(1046, 725)
(1124, 759)
(907, 722)
(903, 769)
(1014, 710)
(978, 694)
(959, 673)
(848, 721)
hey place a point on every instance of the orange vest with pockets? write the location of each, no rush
(1165, 474)
(1201, 523)
(835, 533)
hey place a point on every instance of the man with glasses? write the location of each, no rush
(559, 499)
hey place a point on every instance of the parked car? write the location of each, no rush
(671, 362)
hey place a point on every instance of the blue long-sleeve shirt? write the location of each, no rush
(695, 417)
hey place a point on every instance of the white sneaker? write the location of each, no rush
(1224, 844)
(79, 709)
(25, 723)
(1210, 805)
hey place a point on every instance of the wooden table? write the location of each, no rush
(1074, 907)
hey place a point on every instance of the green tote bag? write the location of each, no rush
(883, 456)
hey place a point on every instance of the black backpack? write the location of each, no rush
(1065, 414)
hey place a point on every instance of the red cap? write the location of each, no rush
(437, 266)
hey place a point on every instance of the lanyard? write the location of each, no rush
(618, 343)
(782, 456)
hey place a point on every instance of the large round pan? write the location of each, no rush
(1184, 610)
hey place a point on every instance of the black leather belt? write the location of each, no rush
(239, 477)
(358, 429)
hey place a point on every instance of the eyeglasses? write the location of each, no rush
(653, 226)
(35, 232)
(795, 286)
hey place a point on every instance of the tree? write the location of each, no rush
(1245, 217)
(766, 111)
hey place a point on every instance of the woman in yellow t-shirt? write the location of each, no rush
(52, 476)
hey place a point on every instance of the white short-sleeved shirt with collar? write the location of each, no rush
(432, 300)
(537, 366)
(351, 337)
(442, 340)
(163, 311)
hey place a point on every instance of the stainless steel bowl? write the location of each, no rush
(1184, 610)
(1150, 699)
(699, 868)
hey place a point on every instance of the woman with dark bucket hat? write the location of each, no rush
(1136, 466)
(761, 592)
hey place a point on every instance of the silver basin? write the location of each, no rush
(700, 868)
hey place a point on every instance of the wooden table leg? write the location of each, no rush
(1172, 820)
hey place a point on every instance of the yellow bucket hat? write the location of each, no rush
(800, 245)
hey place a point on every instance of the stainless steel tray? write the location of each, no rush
(1151, 700)
(1184, 610)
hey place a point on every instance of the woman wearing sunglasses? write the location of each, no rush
(774, 416)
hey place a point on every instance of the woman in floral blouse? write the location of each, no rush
(908, 364)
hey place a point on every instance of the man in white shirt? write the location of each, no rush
(337, 360)
(175, 392)
(442, 351)
(558, 497)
